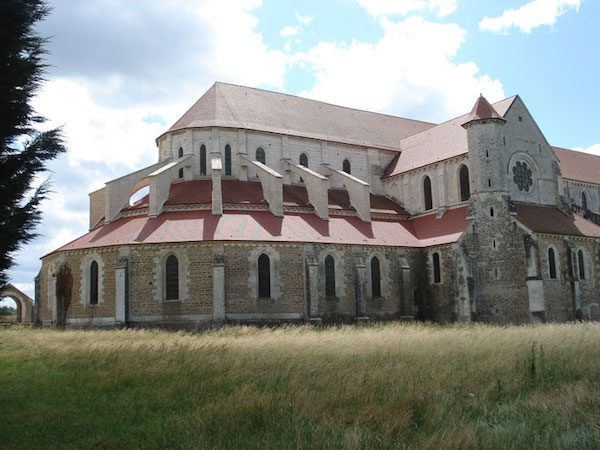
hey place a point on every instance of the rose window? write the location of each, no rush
(522, 176)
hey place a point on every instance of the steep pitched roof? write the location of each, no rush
(227, 105)
(441, 142)
(578, 166)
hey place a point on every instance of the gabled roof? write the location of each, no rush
(482, 110)
(548, 219)
(232, 106)
(578, 166)
(438, 143)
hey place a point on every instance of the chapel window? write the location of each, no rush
(437, 273)
(465, 189)
(427, 193)
(581, 262)
(304, 160)
(584, 201)
(260, 155)
(375, 278)
(172, 278)
(346, 167)
(203, 159)
(180, 153)
(264, 276)
(227, 159)
(522, 176)
(94, 283)
(329, 276)
(551, 263)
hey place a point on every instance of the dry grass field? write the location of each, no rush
(375, 386)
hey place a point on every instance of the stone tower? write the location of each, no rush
(494, 246)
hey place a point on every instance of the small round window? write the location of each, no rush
(522, 176)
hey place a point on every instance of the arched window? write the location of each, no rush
(329, 276)
(264, 276)
(181, 156)
(551, 263)
(584, 200)
(304, 160)
(94, 283)
(465, 189)
(346, 167)
(427, 194)
(375, 278)
(581, 262)
(437, 273)
(227, 159)
(260, 155)
(172, 278)
(203, 159)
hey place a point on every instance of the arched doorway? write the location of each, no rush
(25, 309)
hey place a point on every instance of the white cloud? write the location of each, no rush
(529, 16)
(290, 31)
(594, 149)
(409, 72)
(378, 8)
(304, 20)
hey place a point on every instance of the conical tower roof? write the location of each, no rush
(482, 110)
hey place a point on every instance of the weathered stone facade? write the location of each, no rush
(323, 214)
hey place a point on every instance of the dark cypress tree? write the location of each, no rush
(24, 151)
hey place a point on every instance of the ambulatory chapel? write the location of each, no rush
(265, 207)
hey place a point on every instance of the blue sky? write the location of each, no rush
(122, 72)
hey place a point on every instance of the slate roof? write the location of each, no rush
(547, 219)
(578, 165)
(438, 143)
(232, 106)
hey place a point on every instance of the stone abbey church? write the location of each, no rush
(265, 207)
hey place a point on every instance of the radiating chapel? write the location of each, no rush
(265, 207)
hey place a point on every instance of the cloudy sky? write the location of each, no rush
(123, 71)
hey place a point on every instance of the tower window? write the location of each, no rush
(491, 212)
(465, 189)
(375, 278)
(172, 278)
(437, 273)
(264, 276)
(329, 276)
(551, 263)
(427, 193)
(181, 156)
(260, 155)
(227, 159)
(489, 182)
(581, 262)
(203, 159)
(94, 283)
(346, 167)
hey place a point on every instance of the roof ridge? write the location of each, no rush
(322, 102)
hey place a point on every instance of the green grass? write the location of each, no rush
(377, 386)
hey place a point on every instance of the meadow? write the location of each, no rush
(374, 386)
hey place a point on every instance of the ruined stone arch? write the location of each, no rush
(25, 305)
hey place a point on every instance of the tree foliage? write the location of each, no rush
(24, 151)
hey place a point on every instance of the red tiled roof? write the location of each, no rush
(227, 105)
(578, 165)
(482, 110)
(547, 219)
(201, 225)
(250, 193)
(441, 142)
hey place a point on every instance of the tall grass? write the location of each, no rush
(374, 386)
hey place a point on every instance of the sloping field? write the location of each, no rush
(377, 386)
